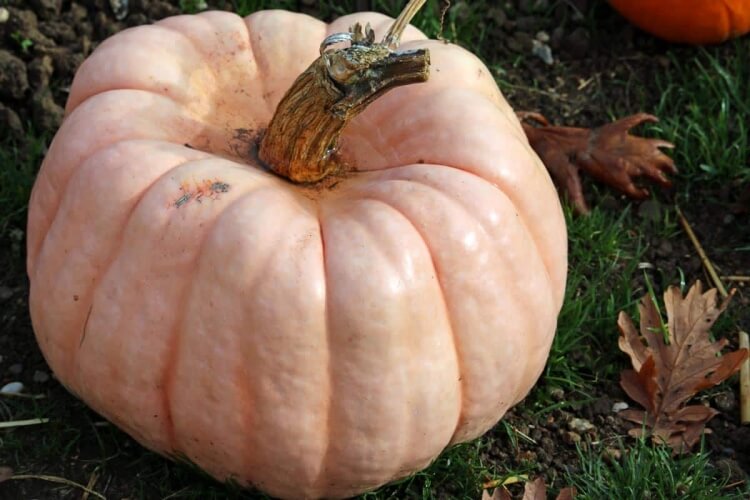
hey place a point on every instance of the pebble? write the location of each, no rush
(4, 15)
(11, 388)
(725, 401)
(619, 406)
(572, 437)
(580, 425)
(40, 377)
(612, 455)
(557, 393)
(542, 51)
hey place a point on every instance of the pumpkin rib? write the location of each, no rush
(74, 344)
(394, 138)
(107, 263)
(252, 457)
(346, 215)
(319, 484)
(478, 404)
(519, 272)
(443, 296)
(170, 90)
(165, 418)
(64, 168)
(486, 182)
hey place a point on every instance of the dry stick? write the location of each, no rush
(60, 480)
(736, 278)
(21, 423)
(744, 339)
(90, 486)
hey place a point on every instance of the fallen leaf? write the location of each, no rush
(608, 153)
(672, 363)
(534, 490)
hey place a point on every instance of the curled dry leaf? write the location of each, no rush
(607, 153)
(533, 490)
(677, 361)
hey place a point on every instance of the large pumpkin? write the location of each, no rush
(688, 21)
(309, 341)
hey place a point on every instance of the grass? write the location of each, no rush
(705, 109)
(648, 472)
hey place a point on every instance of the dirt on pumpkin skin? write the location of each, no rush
(42, 42)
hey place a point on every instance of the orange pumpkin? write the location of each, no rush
(308, 341)
(688, 21)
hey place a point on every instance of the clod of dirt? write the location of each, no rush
(13, 81)
(45, 111)
(62, 33)
(47, 9)
(39, 72)
(10, 123)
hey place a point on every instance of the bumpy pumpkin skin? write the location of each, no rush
(310, 343)
(688, 21)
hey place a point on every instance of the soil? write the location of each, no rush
(42, 42)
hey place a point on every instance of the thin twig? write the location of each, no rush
(702, 254)
(90, 486)
(22, 423)
(744, 339)
(736, 278)
(393, 36)
(60, 480)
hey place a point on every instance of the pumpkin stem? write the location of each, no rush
(303, 135)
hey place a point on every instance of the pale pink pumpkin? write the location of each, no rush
(310, 343)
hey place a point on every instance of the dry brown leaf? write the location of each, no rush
(667, 374)
(533, 490)
(608, 153)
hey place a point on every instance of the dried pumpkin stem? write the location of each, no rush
(303, 135)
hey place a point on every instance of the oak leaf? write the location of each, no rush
(533, 490)
(608, 153)
(677, 361)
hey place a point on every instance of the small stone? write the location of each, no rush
(12, 388)
(571, 437)
(119, 8)
(557, 393)
(665, 249)
(548, 444)
(611, 455)
(725, 401)
(543, 37)
(542, 51)
(650, 210)
(4, 15)
(619, 406)
(40, 377)
(580, 425)
(601, 406)
(15, 369)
